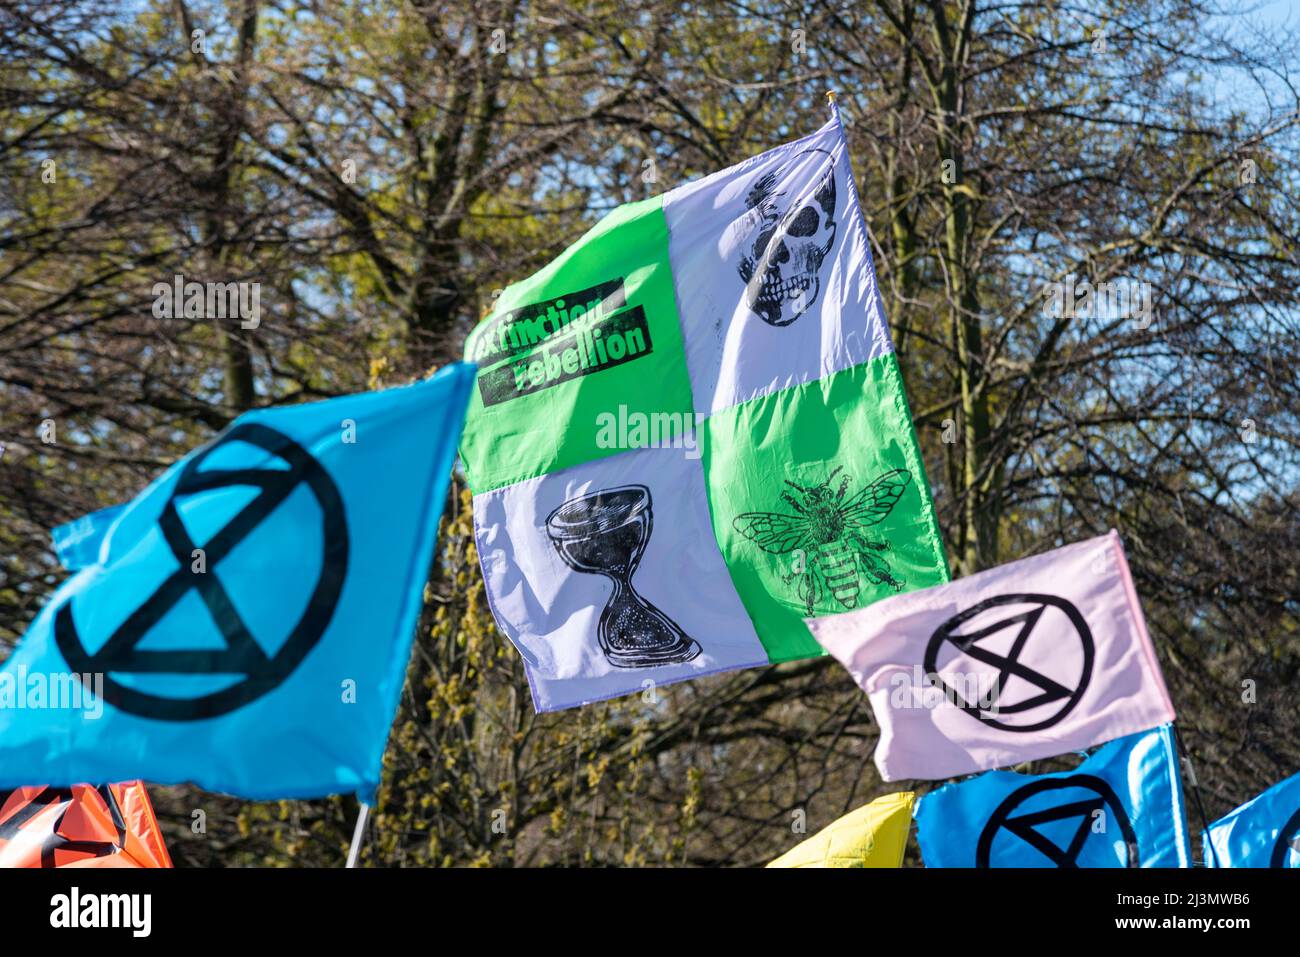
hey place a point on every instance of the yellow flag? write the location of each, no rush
(875, 835)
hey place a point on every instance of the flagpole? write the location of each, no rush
(357, 834)
(1196, 793)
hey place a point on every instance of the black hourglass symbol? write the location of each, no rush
(605, 533)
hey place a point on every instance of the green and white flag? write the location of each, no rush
(689, 433)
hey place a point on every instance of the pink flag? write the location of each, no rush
(1045, 655)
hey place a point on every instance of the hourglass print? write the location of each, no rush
(605, 533)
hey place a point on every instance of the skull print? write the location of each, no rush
(781, 271)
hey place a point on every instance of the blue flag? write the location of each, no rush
(1122, 807)
(247, 620)
(1263, 832)
(77, 543)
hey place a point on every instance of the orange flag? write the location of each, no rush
(82, 826)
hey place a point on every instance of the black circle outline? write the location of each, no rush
(1278, 857)
(944, 633)
(276, 484)
(1017, 797)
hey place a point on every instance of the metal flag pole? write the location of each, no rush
(1196, 792)
(357, 834)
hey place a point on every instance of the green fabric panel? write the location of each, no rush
(544, 377)
(783, 544)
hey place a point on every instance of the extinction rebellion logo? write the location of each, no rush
(546, 343)
(1064, 820)
(140, 678)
